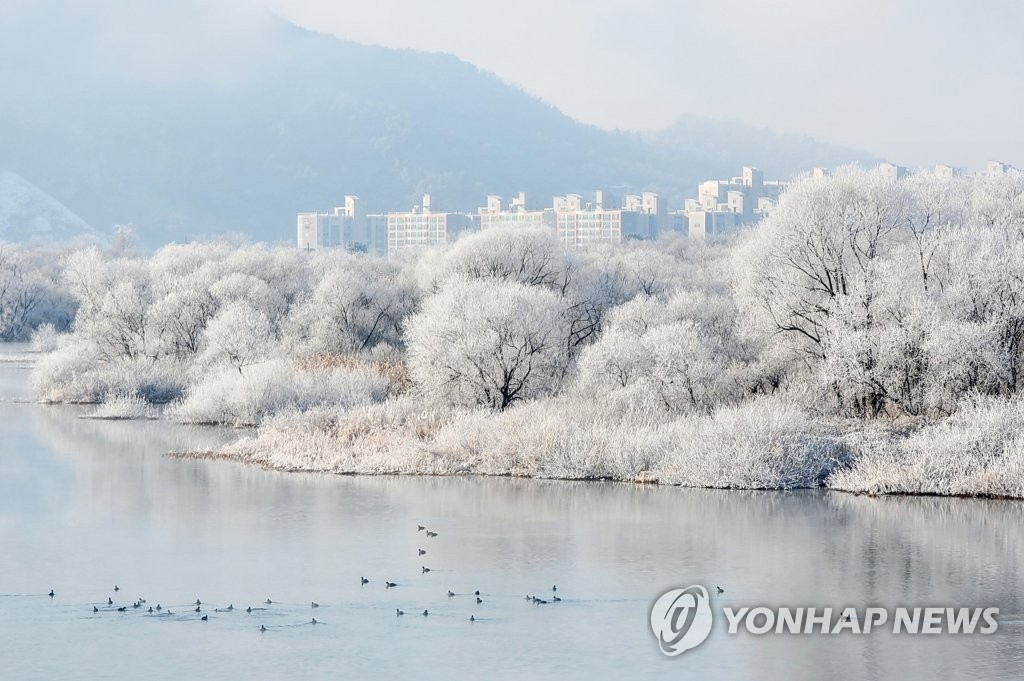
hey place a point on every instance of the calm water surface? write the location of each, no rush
(88, 504)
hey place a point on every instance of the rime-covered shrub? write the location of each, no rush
(78, 374)
(227, 396)
(45, 338)
(770, 445)
(979, 451)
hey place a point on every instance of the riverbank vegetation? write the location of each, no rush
(867, 336)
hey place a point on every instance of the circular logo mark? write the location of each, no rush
(681, 619)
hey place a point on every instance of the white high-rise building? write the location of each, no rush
(492, 215)
(422, 227)
(724, 205)
(996, 168)
(579, 224)
(893, 171)
(344, 226)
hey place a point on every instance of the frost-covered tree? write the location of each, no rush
(815, 249)
(239, 336)
(351, 310)
(531, 256)
(31, 294)
(671, 355)
(493, 343)
(113, 303)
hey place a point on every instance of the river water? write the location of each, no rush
(88, 504)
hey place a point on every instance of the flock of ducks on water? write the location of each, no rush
(159, 609)
(451, 594)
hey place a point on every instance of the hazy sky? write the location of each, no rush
(917, 81)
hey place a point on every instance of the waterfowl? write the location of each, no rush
(136, 605)
(158, 608)
(431, 534)
(425, 569)
(554, 588)
(230, 606)
(117, 588)
(719, 589)
(420, 528)
(422, 552)
(556, 599)
(110, 601)
(314, 604)
(204, 617)
(399, 612)
(122, 609)
(268, 601)
(477, 592)
(198, 602)
(262, 628)
(540, 601)
(364, 580)
(51, 593)
(478, 601)
(249, 609)
(95, 609)
(150, 609)
(388, 585)
(197, 608)
(313, 621)
(472, 618)
(528, 597)
(425, 613)
(450, 593)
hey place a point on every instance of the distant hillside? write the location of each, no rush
(187, 121)
(27, 213)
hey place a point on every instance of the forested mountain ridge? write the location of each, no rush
(188, 121)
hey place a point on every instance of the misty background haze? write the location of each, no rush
(230, 116)
(917, 81)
